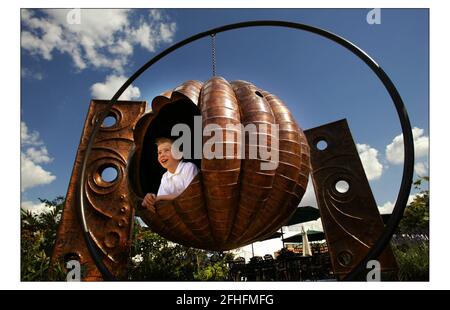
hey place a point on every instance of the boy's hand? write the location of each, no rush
(149, 202)
(165, 197)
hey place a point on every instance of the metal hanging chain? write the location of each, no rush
(213, 49)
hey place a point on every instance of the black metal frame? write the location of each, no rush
(408, 165)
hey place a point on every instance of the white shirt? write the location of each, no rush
(176, 183)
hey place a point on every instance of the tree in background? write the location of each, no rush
(417, 215)
(37, 238)
(157, 259)
(411, 243)
(153, 257)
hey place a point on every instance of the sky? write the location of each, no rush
(70, 56)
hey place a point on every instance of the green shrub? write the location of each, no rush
(413, 261)
(38, 236)
(154, 258)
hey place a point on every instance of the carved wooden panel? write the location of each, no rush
(349, 213)
(109, 209)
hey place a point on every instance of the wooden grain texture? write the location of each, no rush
(350, 218)
(109, 207)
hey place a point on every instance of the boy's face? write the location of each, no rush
(165, 157)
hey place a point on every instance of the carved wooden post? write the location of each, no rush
(109, 211)
(349, 213)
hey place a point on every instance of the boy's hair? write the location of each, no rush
(162, 140)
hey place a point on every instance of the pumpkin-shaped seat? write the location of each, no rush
(234, 200)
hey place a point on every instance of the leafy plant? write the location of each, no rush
(417, 214)
(153, 257)
(410, 244)
(38, 235)
(413, 262)
(157, 259)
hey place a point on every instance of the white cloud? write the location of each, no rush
(394, 151)
(32, 174)
(29, 138)
(142, 35)
(38, 156)
(167, 31)
(36, 208)
(35, 153)
(388, 207)
(369, 158)
(104, 38)
(421, 169)
(122, 47)
(155, 14)
(111, 85)
(27, 73)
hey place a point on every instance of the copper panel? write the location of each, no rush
(350, 217)
(110, 209)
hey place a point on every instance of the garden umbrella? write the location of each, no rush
(313, 235)
(306, 247)
(303, 214)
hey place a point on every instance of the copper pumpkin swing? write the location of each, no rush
(232, 202)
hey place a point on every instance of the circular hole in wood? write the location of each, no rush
(109, 174)
(109, 121)
(342, 186)
(321, 145)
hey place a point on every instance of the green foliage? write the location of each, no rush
(216, 270)
(412, 252)
(413, 262)
(38, 235)
(416, 217)
(157, 259)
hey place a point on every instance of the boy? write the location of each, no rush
(174, 181)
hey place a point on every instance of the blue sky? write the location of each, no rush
(63, 66)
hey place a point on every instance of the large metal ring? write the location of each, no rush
(408, 165)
